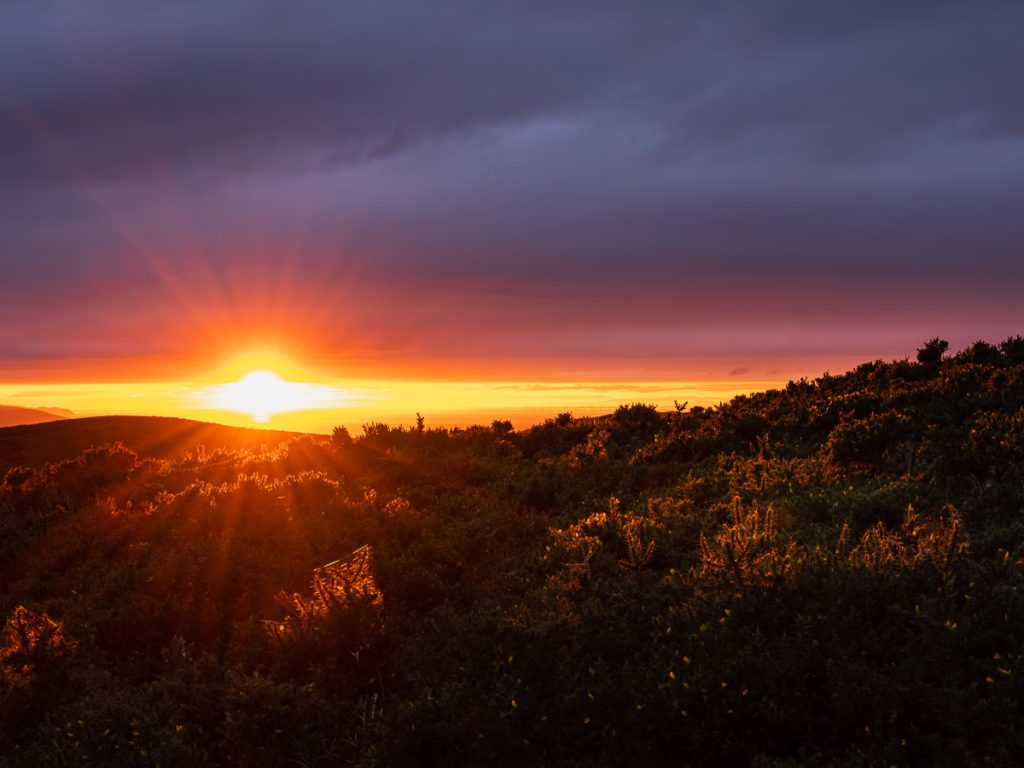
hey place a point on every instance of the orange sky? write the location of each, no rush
(455, 392)
(458, 355)
(494, 211)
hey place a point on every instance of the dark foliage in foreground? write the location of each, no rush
(825, 574)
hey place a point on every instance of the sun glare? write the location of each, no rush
(263, 393)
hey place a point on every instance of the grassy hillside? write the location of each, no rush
(149, 436)
(827, 574)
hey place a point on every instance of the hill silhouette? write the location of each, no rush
(831, 573)
(158, 437)
(65, 412)
(13, 415)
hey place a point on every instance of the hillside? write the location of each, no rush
(12, 415)
(827, 574)
(156, 437)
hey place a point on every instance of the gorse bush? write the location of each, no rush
(831, 573)
(339, 622)
(31, 644)
(746, 554)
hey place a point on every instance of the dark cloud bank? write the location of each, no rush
(571, 154)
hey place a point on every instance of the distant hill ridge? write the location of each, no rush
(67, 414)
(33, 445)
(14, 415)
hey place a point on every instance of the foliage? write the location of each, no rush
(932, 351)
(828, 573)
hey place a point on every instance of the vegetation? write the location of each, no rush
(831, 573)
(160, 437)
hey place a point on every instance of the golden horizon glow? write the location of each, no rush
(284, 396)
(263, 394)
(392, 401)
(259, 359)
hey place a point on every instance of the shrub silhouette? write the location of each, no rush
(932, 352)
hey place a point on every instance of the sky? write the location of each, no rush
(523, 201)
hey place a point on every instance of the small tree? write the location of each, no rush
(341, 438)
(501, 426)
(981, 353)
(1013, 350)
(931, 353)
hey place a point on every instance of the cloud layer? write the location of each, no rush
(404, 179)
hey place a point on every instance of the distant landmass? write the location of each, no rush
(14, 415)
(58, 412)
(53, 438)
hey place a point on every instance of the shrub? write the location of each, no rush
(32, 644)
(931, 353)
(339, 623)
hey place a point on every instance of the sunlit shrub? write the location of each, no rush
(339, 622)
(935, 541)
(746, 553)
(31, 644)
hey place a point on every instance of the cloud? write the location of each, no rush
(192, 166)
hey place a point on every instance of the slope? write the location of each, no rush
(33, 445)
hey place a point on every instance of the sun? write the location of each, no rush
(262, 394)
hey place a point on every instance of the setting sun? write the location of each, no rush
(263, 393)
